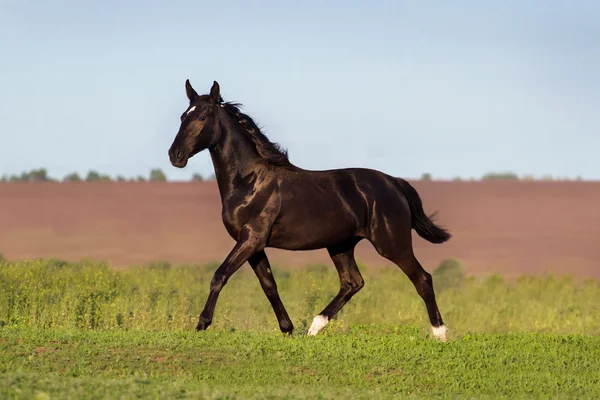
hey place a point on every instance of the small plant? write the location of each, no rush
(448, 274)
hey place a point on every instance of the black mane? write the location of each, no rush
(269, 151)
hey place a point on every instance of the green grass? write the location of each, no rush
(85, 331)
(360, 363)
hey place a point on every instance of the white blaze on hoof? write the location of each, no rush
(318, 323)
(440, 332)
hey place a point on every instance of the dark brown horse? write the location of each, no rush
(269, 202)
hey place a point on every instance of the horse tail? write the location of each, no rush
(421, 223)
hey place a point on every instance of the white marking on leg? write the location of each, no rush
(190, 110)
(440, 332)
(318, 323)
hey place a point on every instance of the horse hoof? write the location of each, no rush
(202, 325)
(440, 332)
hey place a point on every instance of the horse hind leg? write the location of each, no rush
(404, 258)
(423, 283)
(351, 281)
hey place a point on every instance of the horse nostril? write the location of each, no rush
(179, 155)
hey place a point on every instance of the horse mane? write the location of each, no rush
(269, 151)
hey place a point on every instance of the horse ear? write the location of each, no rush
(215, 93)
(189, 90)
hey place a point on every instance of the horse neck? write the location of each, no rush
(233, 156)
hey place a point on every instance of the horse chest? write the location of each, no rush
(235, 215)
(246, 205)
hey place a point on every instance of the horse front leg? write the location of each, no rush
(248, 244)
(260, 264)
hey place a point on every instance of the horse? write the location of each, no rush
(268, 202)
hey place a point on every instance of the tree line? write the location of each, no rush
(157, 175)
(506, 176)
(41, 175)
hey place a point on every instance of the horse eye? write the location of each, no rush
(202, 118)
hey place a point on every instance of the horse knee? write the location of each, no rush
(217, 282)
(353, 286)
(359, 284)
(270, 288)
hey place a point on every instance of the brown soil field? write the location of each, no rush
(506, 227)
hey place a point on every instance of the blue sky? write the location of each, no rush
(451, 88)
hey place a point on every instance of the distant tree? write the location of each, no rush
(212, 177)
(426, 176)
(121, 178)
(38, 175)
(157, 174)
(92, 176)
(500, 175)
(25, 177)
(35, 175)
(72, 177)
(196, 177)
(140, 179)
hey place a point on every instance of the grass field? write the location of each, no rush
(85, 331)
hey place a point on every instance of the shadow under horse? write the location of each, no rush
(269, 202)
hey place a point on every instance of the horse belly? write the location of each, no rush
(310, 233)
